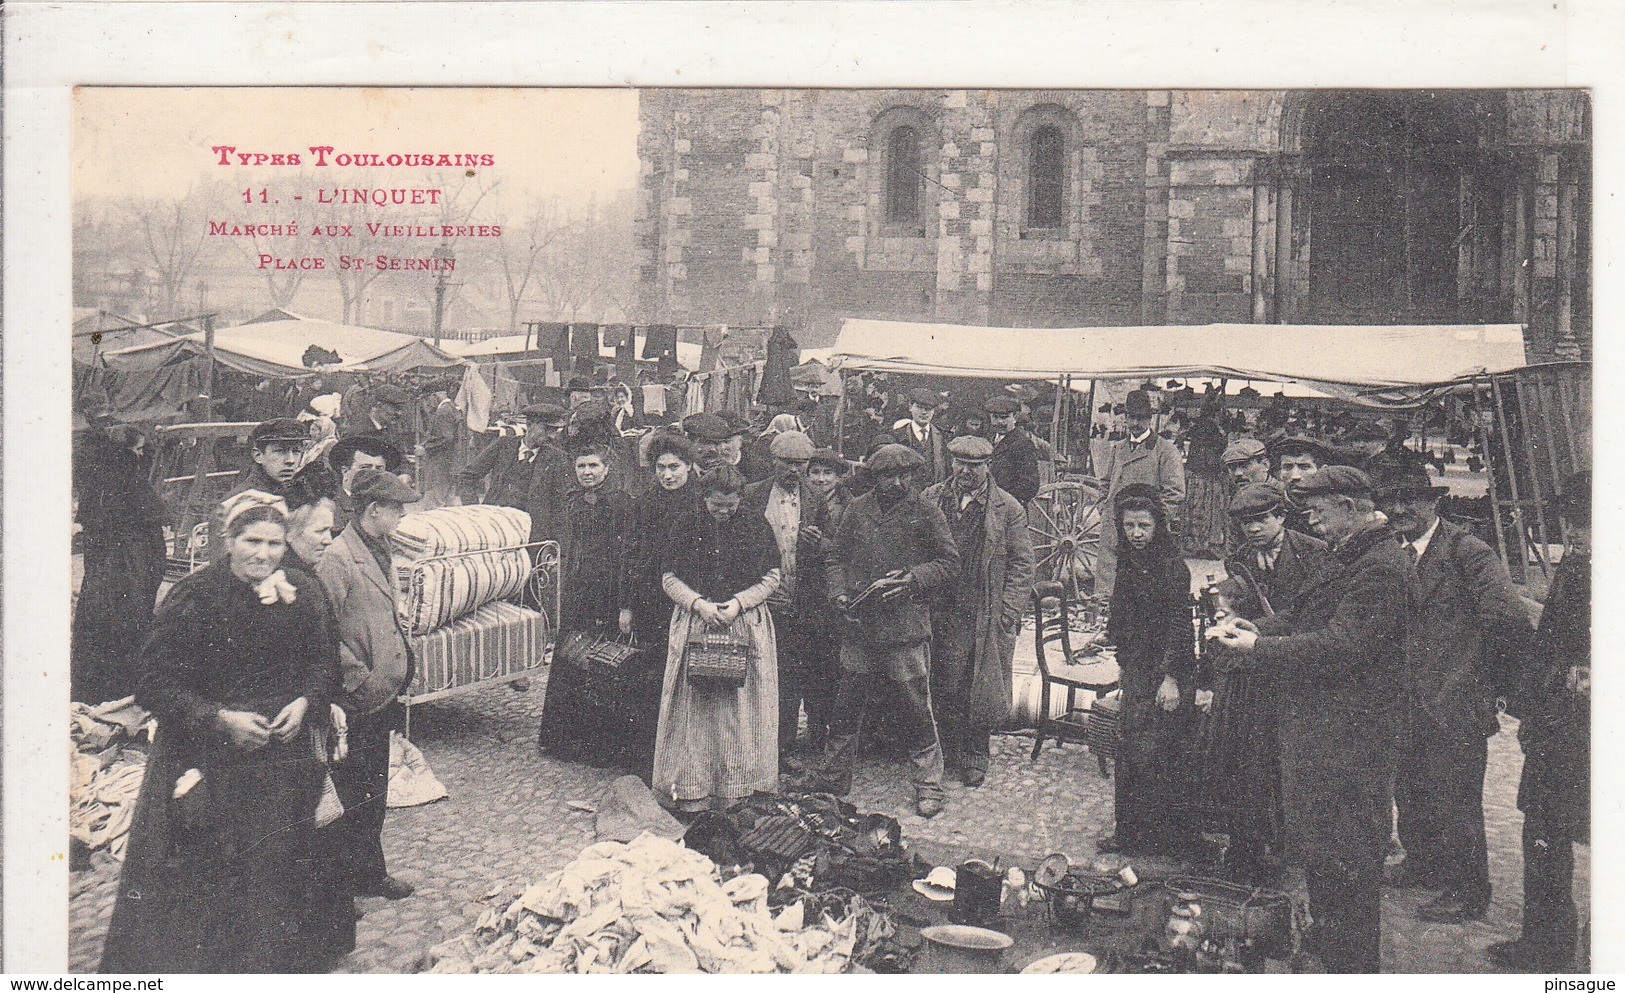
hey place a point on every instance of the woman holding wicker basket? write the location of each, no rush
(717, 741)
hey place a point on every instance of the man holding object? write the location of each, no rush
(1338, 653)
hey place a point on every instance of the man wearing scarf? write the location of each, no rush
(975, 621)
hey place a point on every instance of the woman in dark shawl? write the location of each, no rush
(718, 744)
(581, 721)
(124, 557)
(661, 511)
(1150, 622)
(239, 666)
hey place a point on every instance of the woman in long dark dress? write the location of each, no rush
(239, 662)
(645, 610)
(1150, 622)
(580, 721)
(123, 544)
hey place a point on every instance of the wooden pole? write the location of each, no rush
(208, 368)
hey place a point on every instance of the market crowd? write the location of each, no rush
(791, 588)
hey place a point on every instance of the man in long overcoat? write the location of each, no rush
(375, 666)
(1338, 660)
(977, 617)
(1470, 635)
(891, 553)
(1143, 457)
(1554, 713)
(532, 474)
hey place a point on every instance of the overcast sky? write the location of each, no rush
(569, 143)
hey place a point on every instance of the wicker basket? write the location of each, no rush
(716, 658)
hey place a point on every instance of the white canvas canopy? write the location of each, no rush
(274, 345)
(1335, 359)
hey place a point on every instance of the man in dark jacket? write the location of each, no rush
(891, 553)
(532, 474)
(1338, 658)
(1015, 458)
(276, 447)
(920, 432)
(1554, 714)
(795, 513)
(375, 665)
(976, 619)
(1471, 631)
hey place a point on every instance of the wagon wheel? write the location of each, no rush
(1065, 526)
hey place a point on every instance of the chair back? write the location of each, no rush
(1050, 626)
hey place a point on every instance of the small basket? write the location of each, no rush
(1259, 918)
(1070, 899)
(716, 659)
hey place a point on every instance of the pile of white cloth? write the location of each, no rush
(105, 774)
(651, 906)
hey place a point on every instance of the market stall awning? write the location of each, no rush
(1337, 359)
(276, 348)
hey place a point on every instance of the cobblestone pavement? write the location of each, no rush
(508, 821)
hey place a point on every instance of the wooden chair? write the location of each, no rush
(1097, 676)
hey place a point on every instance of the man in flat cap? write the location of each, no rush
(1263, 576)
(1336, 661)
(375, 667)
(795, 513)
(710, 434)
(1246, 462)
(1553, 708)
(920, 432)
(531, 473)
(975, 620)
(1465, 649)
(890, 554)
(1015, 458)
(1142, 457)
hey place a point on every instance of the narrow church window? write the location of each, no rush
(903, 175)
(1046, 178)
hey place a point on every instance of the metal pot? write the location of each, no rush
(960, 948)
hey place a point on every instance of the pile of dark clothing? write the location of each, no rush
(823, 854)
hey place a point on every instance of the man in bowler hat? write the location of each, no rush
(1145, 457)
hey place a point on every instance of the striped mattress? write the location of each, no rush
(496, 640)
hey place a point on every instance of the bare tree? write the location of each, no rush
(172, 233)
(518, 255)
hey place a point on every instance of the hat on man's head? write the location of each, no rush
(380, 486)
(735, 423)
(895, 458)
(791, 445)
(971, 448)
(1301, 444)
(282, 429)
(546, 413)
(1573, 498)
(1001, 406)
(1256, 500)
(1334, 480)
(343, 451)
(924, 397)
(1243, 450)
(579, 384)
(706, 426)
(1137, 404)
(829, 457)
(1393, 478)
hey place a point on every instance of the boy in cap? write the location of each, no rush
(975, 620)
(375, 667)
(1141, 456)
(1469, 638)
(1336, 660)
(1263, 576)
(1014, 461)
(920, 432)
(891, 553)
(1553, 708)
(276, 446)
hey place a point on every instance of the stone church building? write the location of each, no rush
(1117, 207)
